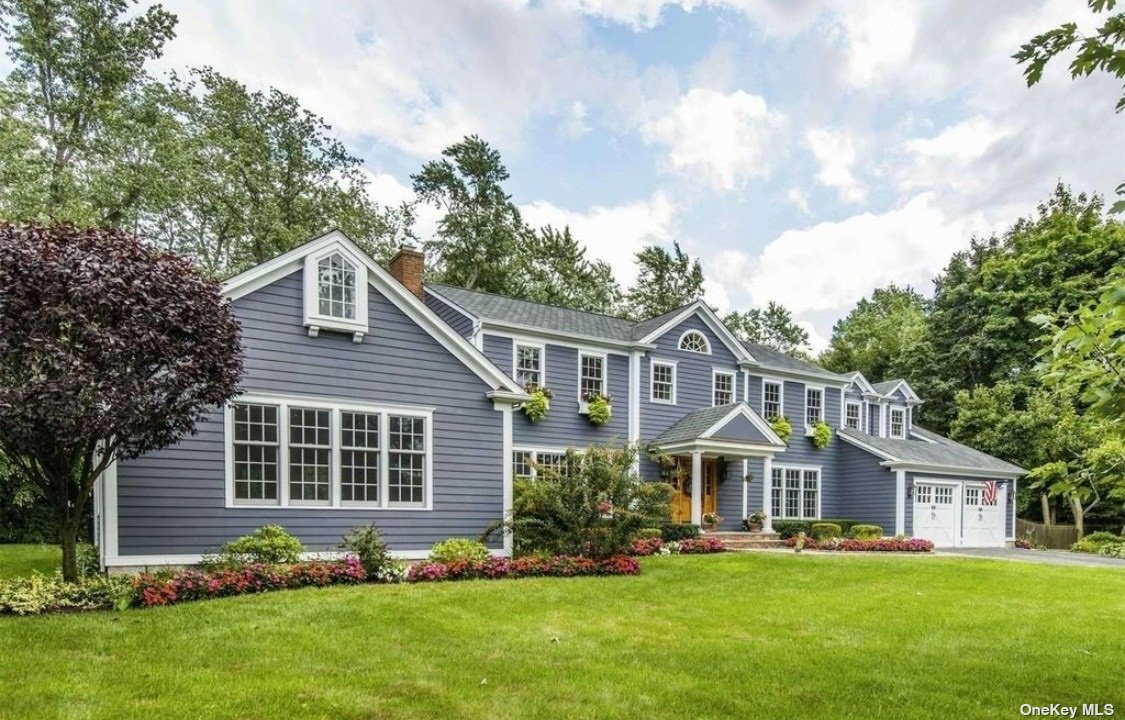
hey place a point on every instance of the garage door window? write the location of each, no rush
(943, 495)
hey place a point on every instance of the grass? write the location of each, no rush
(720, 636)
(20, 560)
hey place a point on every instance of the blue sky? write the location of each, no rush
(805, 151)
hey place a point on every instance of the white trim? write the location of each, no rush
(635, 407)
(767, 493)
(844, 415)
(508, 480)
(605, 377)
(142, 561)
(692, 331)
(745, 488)
(883, 405)
(406, 301)
(335, 407)
(823, 406)
(732, 448)
(923, 438)
(652, 363)
(1012, 512)
(542, 348)
(780, 394)
(314, 320)
(911, 396)
(856, 378)
(533, 338)
(891, 410)
(962, 472)
(900, 502)
(755, 419)
(109, 514)
(733, 375)
(713, 323)
(819, 469)
(697, 487)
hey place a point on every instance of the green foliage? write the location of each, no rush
(649, 533)
(883, 337)
(25, 514)
(786, 529)
(536, 408)
(675, 532)
(592, 505)
(367, 543)
(865, 532)
(665, 281)
(41, 594)
(821, 435)
(459, 550)
(556, 271)
(598, 410)
(268, 544)
(89, 560)
(825, 531)
(782, 427)
(772, 326)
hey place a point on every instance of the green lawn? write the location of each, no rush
(19, 560)
(723, 636)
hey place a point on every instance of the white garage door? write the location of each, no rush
(935, 513)
(983, 516)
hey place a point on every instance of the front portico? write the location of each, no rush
(710, 438)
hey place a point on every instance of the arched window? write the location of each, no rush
(693, 341)
(337, 287)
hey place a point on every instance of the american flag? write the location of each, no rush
(990, 492)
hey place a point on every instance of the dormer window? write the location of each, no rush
(336, 287)
(693, 341)
(336, 293)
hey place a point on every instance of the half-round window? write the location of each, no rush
(337, 291)
(693, 341)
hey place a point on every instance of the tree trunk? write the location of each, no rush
(1046, 503)
(68, 538)
(1076, 508)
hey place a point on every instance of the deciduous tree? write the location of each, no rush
(665, 281)
(772, 326)
(556, 271)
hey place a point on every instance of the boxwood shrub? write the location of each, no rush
(865, 532)
(675, 532)
(786, 529)
(825, 530)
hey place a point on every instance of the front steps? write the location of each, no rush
(748, 540)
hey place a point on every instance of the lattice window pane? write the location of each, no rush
(776, 499)
(810, 492)
(336, 290)
(695, 342)
(359, 457)
(851, 416)
(814, 406)
(529, 367)
(310, 453)
(592, 375)
(771, 400)
(522, 464)
(723, 389)
(255, 452)
(406, 460)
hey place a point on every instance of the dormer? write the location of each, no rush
(335, 293)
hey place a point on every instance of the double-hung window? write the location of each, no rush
(771, 399)
(336, 287)
(591, 375)
(529, 365)
(814, 406)
(898, 423)
(795, 492)
(286, 453)
(530, 463)
(663, 385)
(722, 387)
(852, 415)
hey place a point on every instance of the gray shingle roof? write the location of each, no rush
(695, 423)
(941, 452)
(499, 308)
(886, 386)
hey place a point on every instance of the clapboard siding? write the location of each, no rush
(801, 451)
(867, 490)
(172, 501)
(729, 500)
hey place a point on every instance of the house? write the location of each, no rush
(371, 397)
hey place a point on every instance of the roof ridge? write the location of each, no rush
(537, 302)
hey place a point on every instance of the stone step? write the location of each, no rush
(748, 540)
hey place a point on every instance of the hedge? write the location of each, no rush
(786, 529)
(675, 532)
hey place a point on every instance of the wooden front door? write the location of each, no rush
(681, 498)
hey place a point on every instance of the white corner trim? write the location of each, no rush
(900, 502)
(508, 480)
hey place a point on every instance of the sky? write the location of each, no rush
(806, 152)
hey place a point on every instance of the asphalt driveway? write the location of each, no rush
(1046, 557)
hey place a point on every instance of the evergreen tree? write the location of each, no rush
(665, 281)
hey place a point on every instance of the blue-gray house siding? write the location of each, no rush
(867, 489)
(173, 501)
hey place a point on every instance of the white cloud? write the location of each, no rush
(615, 233)
(836, 151)
(799, 198)
(774, 17)
(386, 190)
(721, 139)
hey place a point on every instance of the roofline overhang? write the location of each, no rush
(835, 383)
(625, 346)
(740, 352)
(713, 446)
(506, 397)
(952, 470)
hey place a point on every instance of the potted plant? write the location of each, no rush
(755, 521)
(711, 520)
(821, 435)
(536, 408)
(598, 407)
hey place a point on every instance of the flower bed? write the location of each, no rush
(530, 566)
(881, 545)
(701, 546)
(643, 547)
(150, 590)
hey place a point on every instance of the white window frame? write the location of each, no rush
(823, 409)
(652, 382)
(605, 376)
(901, 435)
(720, 372)
(542, 348)
(859, 414)
(780, 396)
(335, 407)
(314, 320)
(534, 459)
(706, 343)
(802, 469)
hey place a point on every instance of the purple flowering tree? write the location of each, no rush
(109, 348)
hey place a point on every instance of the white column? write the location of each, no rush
(900, 502)
(697, 487)
(767, 493)
(508, 480)
(745, 490)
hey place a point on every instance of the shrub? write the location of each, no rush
(821, 435)
(41, 594)
(269, 544)
(153, 589)
(649, 533)
(529, 566)
(675, 532)
(782, 427)
(458, 550)
(1116, 550)
(700, 546)
(89, 560)
(853, 545)
(1023, 543)
(643, 547)
(1102, 537)
(592, 505)
(825, 531)
(865, 532)
(367, 544)
(786, 529)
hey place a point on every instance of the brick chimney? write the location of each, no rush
(407, 266)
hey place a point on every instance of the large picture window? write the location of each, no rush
(334, 455)
(795, 493)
